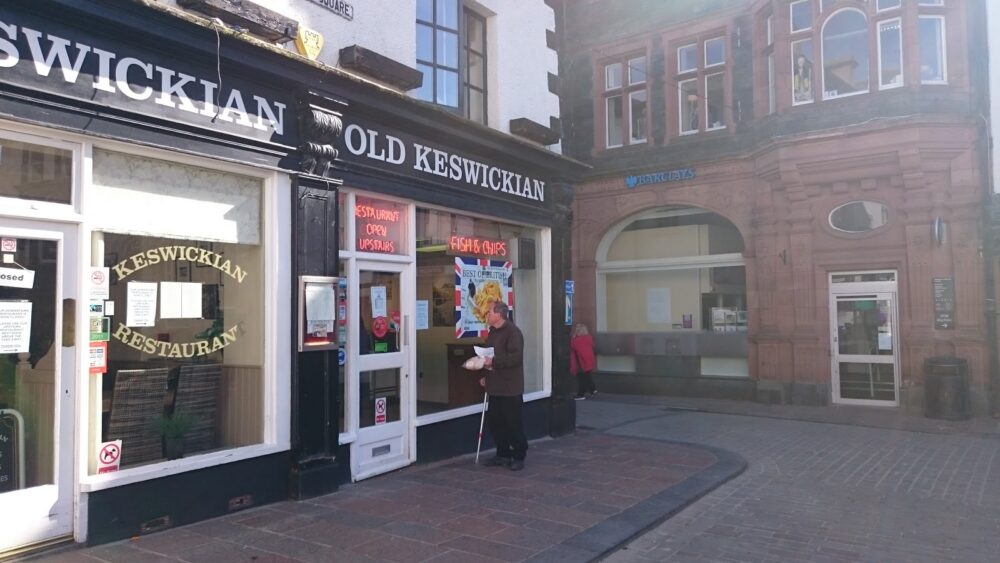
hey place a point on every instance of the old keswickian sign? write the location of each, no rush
(143, 343)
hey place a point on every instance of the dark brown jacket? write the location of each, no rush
(506, 379)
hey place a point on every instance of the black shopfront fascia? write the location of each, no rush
(100, 88)
(386, 144)
(103, 34)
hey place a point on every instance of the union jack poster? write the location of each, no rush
(479, 282)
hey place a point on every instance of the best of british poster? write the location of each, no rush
(479, 282)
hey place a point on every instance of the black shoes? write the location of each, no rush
(580, 397)
(512, 464)
(499, 462)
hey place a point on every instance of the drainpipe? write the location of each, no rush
(981, 105)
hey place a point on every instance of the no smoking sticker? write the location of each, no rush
(380, 410)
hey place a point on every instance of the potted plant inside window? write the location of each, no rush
(173, 428)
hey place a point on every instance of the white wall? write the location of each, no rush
(518, 59)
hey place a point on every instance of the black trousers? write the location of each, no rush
(505, 424)
(585, 383)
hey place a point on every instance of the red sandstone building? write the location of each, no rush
(787, 197)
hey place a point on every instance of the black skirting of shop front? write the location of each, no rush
(149, 506)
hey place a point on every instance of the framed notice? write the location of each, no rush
(317, 313)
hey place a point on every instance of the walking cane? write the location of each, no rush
(482, 419)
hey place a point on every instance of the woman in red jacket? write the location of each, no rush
(582, 361)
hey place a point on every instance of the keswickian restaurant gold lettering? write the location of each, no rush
(149, 345)
(143, 343)
(136, 262)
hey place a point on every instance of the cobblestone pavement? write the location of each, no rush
(824, 491)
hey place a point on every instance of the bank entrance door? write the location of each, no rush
(864, 338)
(383, 290)
(38, 289)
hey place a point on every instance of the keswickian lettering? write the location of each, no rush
(134, 78)
(137, 262)
(152, 346)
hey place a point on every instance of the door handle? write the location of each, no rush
(402, 327)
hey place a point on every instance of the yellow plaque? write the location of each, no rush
(308, 42)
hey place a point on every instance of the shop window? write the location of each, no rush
(890, 54)
(932, 50)
(463, 263)
(29, 171)
(185, 335)
(859, 216)
(845, 54)
(691, 275)
(454, 72)
(625, 102)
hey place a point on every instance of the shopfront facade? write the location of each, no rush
(163, 205)
(434, 223)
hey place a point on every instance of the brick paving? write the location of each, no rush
(578, 498)
(897, 488)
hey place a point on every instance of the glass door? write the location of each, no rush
(38, 291)
(381, 369)
(864, 345)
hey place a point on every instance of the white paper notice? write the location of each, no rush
(100, 284)
(483, 352)
(140, 307)
(658, 305)
(885, 341)
(180, 300)
(16, 277)
(15, 326)
(378, 301)
(422, 309)
(320, 306)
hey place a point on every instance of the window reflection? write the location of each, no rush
(35, 172)
(859, 216)
(845, 54)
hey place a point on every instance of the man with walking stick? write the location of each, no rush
(504, 383)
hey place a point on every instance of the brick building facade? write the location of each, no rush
(791, 193)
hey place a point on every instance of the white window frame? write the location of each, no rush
(942, 47)
(607, 120)
(791, 16)
(822, 57)
(722, 40)
(772, 86)
(633, 140)
(902, 62)
(644, 72)
(607, 77)
(681, 99)
(276, 436)
(722, 105)
(792, 52)
(680, 69)
(879, 8)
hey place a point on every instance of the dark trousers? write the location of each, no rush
(585, 383)
(504, 417)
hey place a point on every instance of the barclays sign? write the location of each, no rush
(660, 177)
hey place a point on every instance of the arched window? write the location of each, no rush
(671, 269)
(845, 54)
